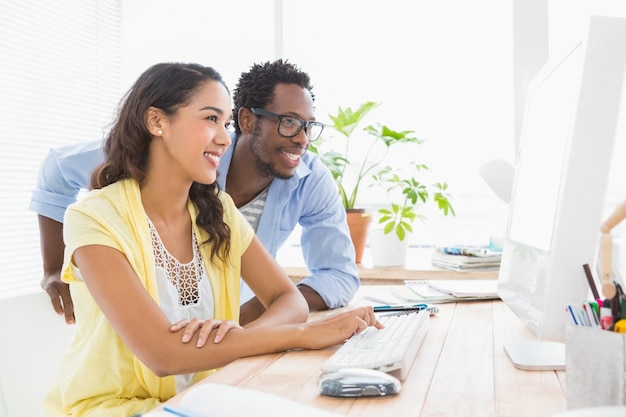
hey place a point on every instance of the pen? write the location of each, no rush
(400, 307)
(573, 315)
(177, 411)
(590, 314)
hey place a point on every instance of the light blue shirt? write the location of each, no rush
(64, 172)
(309, 198)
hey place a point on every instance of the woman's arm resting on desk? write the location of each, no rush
(204, 329)
(146, 330)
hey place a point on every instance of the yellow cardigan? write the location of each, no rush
(100, 375)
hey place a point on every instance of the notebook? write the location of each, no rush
(220, 400)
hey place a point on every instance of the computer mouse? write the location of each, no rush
(358, 382)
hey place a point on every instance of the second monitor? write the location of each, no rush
(559, 189)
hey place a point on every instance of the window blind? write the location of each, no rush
(59, 84)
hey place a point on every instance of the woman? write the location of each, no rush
(157, 243)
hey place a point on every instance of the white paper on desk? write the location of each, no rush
(487, 288)
(220, 400)
(421, 291)
(454, 290)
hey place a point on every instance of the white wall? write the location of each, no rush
(227, 35)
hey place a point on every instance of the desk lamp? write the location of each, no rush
(498, 174)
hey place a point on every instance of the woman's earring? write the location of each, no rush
(160, 132)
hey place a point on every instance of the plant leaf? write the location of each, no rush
(388, 228)
(400, 233)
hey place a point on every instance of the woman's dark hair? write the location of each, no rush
(167, 87)
(255, 88)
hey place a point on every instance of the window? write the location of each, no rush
(60, 82)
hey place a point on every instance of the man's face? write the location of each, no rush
(276, 155)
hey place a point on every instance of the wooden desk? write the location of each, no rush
(460, 370)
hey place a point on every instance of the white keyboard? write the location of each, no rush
(393, 348)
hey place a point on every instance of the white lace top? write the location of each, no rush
(184, 289)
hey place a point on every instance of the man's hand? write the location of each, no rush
(60, 297)
(52, 246)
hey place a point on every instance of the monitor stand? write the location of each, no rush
(536, 356)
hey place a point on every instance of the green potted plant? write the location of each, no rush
(376, 140)
(406, 194)
(401, 212)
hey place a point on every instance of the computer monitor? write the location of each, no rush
(558, 197)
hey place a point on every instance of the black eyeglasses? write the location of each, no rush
(290, 126)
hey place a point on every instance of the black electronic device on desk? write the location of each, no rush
(358, 382)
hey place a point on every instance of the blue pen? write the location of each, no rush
(401, 307)
(177, 411)
(575, 320)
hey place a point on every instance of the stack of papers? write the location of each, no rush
(466, 258)
(441, 291)
(211, 400)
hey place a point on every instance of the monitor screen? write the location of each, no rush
(561, 173)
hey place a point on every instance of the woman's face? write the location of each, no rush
(197, 135)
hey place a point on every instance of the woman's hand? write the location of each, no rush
(203, 328)
(338, 326)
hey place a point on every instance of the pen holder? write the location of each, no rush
(595, 367)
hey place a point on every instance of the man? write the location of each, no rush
(268, 172)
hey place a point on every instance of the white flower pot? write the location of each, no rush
(387, 249)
